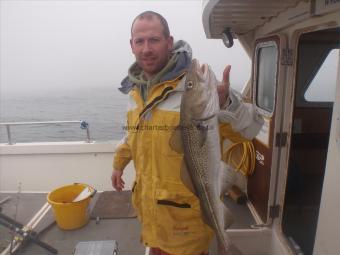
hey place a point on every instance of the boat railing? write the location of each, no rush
(83, 125)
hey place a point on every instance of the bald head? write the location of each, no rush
(150, 15)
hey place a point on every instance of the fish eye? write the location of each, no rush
(189, 85)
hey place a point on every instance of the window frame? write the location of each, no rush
(268, 42)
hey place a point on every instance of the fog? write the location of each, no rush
(48, 46)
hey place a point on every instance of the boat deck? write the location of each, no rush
(124, 231)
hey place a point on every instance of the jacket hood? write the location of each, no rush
(183, 54)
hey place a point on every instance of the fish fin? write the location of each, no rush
(226, 181)
(227, 178)
(175, 141)
(185, 177)
(228, 218)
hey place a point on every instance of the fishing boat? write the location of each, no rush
(292, 202)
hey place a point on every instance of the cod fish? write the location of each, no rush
(199, 133)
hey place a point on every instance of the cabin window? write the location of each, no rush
(267, 55)
(323, 84)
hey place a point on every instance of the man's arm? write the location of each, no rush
(121, 158)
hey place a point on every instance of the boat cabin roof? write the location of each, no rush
(241, 16)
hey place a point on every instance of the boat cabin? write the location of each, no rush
(294, 47)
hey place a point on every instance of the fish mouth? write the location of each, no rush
(206, 118)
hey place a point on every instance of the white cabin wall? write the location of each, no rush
(328, 229)
(247, 43)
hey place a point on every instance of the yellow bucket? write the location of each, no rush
(71, 205)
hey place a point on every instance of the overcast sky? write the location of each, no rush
(51, 45)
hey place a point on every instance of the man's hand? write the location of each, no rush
(223, 89)
(117, 181)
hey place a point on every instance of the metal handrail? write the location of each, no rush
(83, 125)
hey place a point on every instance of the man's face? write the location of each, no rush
(150, 46)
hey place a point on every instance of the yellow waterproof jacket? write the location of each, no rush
(170, 214)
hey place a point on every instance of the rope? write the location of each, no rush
(246, 164)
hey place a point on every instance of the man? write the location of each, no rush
(169, 213)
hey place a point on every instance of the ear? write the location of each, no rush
(170, 41)
(203, 68)
(131, 45)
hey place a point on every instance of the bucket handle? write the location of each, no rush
(94, 191)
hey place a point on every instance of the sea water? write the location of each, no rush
(104, 108)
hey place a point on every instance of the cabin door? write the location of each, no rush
(311, 201)
(267, 95)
